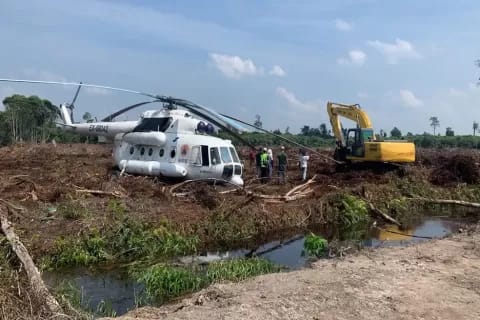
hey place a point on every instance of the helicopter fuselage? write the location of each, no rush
(168, 143)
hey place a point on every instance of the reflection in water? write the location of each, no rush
(122, 293)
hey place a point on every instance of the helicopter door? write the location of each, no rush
(215, 162)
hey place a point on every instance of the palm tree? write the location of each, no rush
(434, 123)
(475, 127)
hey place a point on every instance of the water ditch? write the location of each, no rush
(113, 290)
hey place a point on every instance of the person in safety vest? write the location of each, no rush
(264, 166)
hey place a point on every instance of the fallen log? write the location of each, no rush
(447, 201)
(117, 194)
(33, 274)
(382, 214)
(298, 188)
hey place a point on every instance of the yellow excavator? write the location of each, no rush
(360, 144)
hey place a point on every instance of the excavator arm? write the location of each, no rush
(352, 112)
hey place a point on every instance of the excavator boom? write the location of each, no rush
(352, 112)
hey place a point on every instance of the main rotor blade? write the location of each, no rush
(80, 84)
(283, 138)
(123, 110)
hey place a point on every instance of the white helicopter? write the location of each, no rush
(168, 142)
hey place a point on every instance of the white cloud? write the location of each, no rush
(409, 99)
(456, 93)
(296, 104)
(394, 52)
(233, 66)
(362, 95)
(342, 25)
(355, 57)
(277, 71)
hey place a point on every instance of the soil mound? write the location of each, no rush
(459, 168)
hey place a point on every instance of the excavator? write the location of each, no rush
(360, 144)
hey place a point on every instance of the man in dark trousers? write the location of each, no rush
(257, 161)
(264, 166)
(282, 165)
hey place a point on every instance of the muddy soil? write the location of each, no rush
(433, 280)
(40, 180)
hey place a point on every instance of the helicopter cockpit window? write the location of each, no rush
(153, 124)
(196, 156)
(225, 155)
(234, 155)
(214, 156)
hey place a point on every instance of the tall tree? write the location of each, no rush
(258, 121)
(475, 127)
(323, 130)
(434, 122)
(449, 132)
(396, 133)
(305, 130)
(87, 117)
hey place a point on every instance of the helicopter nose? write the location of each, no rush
(237, 180)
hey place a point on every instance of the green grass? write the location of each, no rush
(315, 246)
(163, 282)
(126, 241)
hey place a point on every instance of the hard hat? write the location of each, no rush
(282, 147)
(264, 149)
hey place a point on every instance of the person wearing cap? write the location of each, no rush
(282, 164)
(264, 166)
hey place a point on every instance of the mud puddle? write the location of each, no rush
(112, 290)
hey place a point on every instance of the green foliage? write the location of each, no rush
(353, 210)
(72, 210)
(239, 269)
(163, 282)
(315, 245)
(396, 133)
(127, 241)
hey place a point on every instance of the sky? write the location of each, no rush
(402, 61)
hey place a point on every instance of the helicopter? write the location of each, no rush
(169, 142)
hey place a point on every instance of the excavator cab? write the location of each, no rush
(356, 139)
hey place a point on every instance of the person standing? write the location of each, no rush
(282, 165)
(257, 162)
(264, 166)
(270, 163)
(304, 163)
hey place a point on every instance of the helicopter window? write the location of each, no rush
(234, 155)
(196, 156)
(132, 150)
(142, 151)
(172, 153)
(205, 161)
(225, 155)
(238, 170)
(153, 124)
(161, 153)
(150, 152)
(215, 156)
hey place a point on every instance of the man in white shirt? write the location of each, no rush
(303, 163)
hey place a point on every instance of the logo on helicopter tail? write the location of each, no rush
(184, 150)
(98, 128)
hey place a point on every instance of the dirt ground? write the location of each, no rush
(434, 280)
